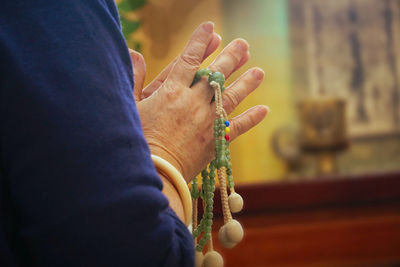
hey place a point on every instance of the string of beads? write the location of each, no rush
(231, 232)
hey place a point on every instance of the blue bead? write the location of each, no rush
(227, 123)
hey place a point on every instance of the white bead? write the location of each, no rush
(235, 202)
(230, 234)
(223, 240)
(213, 259)
(199, 259)
(233, 231)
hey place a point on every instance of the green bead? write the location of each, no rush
(201, 226)
(210, 215)
(229, 165)
(203, 72)
(196, 78)
(207, 236)
(220, 146)
(228, 171)
(221, 161)
(222, 121)
(202, 242)
(195, 194)
(199, 73)
(217, 77)
(218, 133)
(194, 187)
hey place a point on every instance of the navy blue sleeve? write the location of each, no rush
(78, 187)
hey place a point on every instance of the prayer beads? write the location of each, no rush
(231, 232)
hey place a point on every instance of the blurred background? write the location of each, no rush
(344, 52)
(321, 174)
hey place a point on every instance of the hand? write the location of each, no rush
(177, 119)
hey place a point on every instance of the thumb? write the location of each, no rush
(139, 73)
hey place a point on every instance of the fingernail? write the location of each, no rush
(242, 44)
(208, 26)
(267, 109)
(219, 36)
(136, 57)
(258, 73)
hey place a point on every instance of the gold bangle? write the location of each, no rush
(176, 178)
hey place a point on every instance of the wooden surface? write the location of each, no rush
(342, 221)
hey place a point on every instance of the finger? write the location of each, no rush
(139, 73)
(213, 45)
(189, 61)
(241, 88)
(242, 61)
(247, 120)
(226, 62)
(156, 83)
(234, 54)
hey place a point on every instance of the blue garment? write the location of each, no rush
(77, 184)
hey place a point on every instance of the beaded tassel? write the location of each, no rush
(231, 232)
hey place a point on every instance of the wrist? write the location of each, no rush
(162, 152)
(174, 184)
(172, 194)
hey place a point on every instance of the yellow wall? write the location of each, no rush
(167, 28)
(264, 24)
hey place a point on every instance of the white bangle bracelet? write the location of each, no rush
(176, 178)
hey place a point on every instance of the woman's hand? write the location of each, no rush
(177, 119)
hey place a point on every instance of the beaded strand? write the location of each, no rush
(231, 232)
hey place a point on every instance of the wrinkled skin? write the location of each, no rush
(177, 119)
